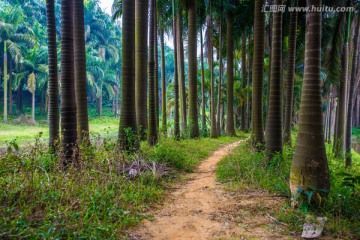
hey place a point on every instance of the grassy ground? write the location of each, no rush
(19, 128)
(96, 198)
(247, 168)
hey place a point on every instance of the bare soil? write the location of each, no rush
(199, 209)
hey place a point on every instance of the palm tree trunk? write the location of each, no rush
(128, 114)
(163, 84)
(80, 72)
(68, 104)
(203, 103)
(181, 70)
(218, 124)
(152, 135)
(5, 84)
(258, 74)
(33, 107)
(243, 74)
(290, 77)
(351, 94)
(210, 57)
(156, 68)
(10, 89)
(274, 119)
(230, 126)
(141, 55)
(339, 141)
(310, 167)
(192, 47)
(176, 80)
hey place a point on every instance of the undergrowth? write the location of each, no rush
(249, 168)
(95, 198)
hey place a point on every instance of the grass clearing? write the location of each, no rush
(92, 200)
(246, 168)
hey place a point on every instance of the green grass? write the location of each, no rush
(248, 168)
(93, 199)
(24, 133)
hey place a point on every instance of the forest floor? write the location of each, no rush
(200, 208)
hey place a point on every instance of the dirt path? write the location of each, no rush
(200, 209)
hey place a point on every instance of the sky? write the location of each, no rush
(106, 5)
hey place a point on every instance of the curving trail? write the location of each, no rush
(200, 209)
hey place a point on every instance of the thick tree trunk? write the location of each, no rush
(80, 72)
(68, 103)
(141, 55)
(351, 94)
(156, 68)
(128, 114)
(310, 167)
(192, 60)
(274, 119)
(258, 74)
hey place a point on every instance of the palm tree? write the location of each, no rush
(68, 106)
(203, 103)
(290, 77)
(192, 47)
(80, 71)
(181, 68)
(210, 55)
(128, 126)
(309, 167)
(218, 110)
(53, 85)
(156, 66)
(351, 94)
(230, 127)
(274, 120)
(152, 135)
(141, 26)
(163, 85)
(243, 74)
(258, 73)
(176, 80)
(5, 84)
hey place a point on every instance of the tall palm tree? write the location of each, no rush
(274, 120)
(156, 66)
(176, 80)
(152, 134)
(290, 77)
(351, 93)
(163, 85)
(5, 84)
(243, 74)
(203, 103)
(80, 72)
(309, 166)
(181, 68)
(192, 47)
(230, 126)
(218, 109)
(141, 26)
(258, 73)
(127, 114)
(210, 57)
(53, 85)
(68, 104)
